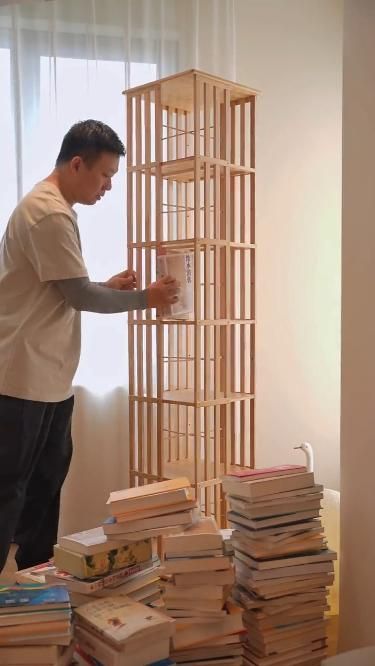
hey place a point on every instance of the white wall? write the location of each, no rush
(357, 614)
(292, 51)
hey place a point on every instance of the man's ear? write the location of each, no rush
(75, 163)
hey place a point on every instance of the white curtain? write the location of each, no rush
(66, 60)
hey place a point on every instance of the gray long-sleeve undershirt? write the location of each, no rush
(87, 296)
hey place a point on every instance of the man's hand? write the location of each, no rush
(162, 293)
(125, 281)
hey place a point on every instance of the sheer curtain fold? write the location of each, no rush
(62, 61)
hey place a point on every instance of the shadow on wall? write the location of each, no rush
(100, 457)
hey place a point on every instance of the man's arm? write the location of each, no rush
(87, 296)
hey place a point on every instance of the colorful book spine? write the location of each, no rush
(107, 580)
(32, 595)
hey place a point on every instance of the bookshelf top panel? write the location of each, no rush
(177, 91)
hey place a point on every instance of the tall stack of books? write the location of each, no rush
(198, 580)
(152, 510)
(117, 630)
(34, 624)
(117, 557)
(283, 566)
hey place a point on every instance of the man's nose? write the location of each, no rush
(108, 185)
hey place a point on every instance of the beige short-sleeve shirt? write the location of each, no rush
(40, 334)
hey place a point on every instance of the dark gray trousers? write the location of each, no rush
(35, 454)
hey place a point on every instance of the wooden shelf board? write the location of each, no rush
(189, 243)
(183, 169)
(186, 398)
(190, 322)
(176, 469)
(185, 467)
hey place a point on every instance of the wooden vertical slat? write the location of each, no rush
(252, 133)
(159, 325)
(148, 275)
(187, 328)
(197, 279)
(129, 196)
(217, 305)
(231, 330)
(227, 125)
(207, 108)
(223, 233)
(216, 121)
(139, 314)
(228, 296)
(233, 134)
(187, 234)
(216, 458)
(222, 276)
(244, 257)
(252, 280)
(207, 286)
(171, 329)
(186, 452)
(207, 315)
(179, 221)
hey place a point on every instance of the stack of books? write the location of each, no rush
(283, 566)
(117, 557)
(141, 582)
(35, 624)
(91, 566)
(198, 578)
(117, 630)
(151, 510)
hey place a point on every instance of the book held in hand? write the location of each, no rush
(181, 267)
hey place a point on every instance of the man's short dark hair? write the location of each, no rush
(88, 139)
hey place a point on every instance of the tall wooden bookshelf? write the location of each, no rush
(191, 188)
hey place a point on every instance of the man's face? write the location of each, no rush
(94, 179)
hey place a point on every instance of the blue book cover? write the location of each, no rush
(33, 595)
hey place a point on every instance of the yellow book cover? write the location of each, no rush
(87, 566)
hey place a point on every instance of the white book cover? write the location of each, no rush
(88, 542)
(181, 267)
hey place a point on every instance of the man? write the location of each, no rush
(43, 287)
